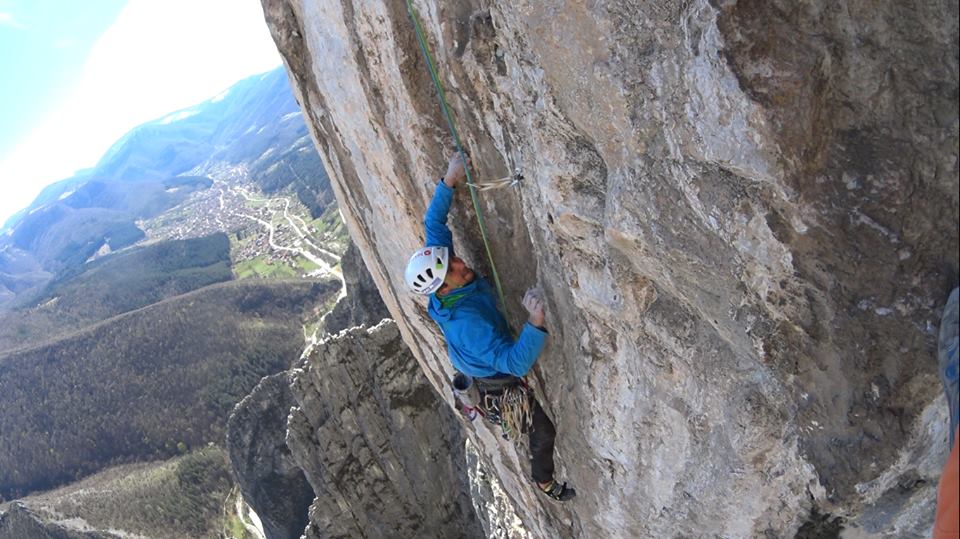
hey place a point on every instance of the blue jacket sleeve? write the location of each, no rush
(505, 355)
(435, 221)
(517, 358)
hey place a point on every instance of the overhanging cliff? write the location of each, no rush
(744, 215)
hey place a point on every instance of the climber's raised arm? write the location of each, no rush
(435, 220)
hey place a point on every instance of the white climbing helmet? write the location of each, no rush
(426, 270)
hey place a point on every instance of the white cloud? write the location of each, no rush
(7, 19)
(159, 56)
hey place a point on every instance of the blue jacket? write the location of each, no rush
(478, 336)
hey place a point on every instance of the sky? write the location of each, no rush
(77, 75)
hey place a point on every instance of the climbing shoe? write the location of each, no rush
(559, 491)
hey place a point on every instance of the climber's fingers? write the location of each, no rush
(532, 302)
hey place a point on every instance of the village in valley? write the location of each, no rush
(271, 236)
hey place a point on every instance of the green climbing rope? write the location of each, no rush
(456, 140)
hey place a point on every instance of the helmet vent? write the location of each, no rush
(421, 279)
(430, 273)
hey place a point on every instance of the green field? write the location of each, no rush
(331, 231)
(256, 203)
(260, 268)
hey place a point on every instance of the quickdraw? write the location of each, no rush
(508, 181)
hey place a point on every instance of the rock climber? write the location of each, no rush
(479, 341)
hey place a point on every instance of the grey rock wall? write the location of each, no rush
(490, 503)
(743, 213)
(383, 454)
(269, 478)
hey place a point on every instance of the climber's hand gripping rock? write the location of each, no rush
(534, 304)
(456, 173)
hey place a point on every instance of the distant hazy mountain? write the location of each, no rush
(256, 124)
(236, 126)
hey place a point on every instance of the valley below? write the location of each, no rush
(120, 361)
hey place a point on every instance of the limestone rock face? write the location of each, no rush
(743, 213)
(269, 478)
(492, 506)
(383, 454)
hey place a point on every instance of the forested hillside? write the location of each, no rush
(187, 496)
(117, 284)
(147, 384)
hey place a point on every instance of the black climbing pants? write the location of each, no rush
(542, 432)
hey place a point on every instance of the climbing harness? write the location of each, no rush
(502, 401)
(516, 417)
(456, 139)
(506, 402)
